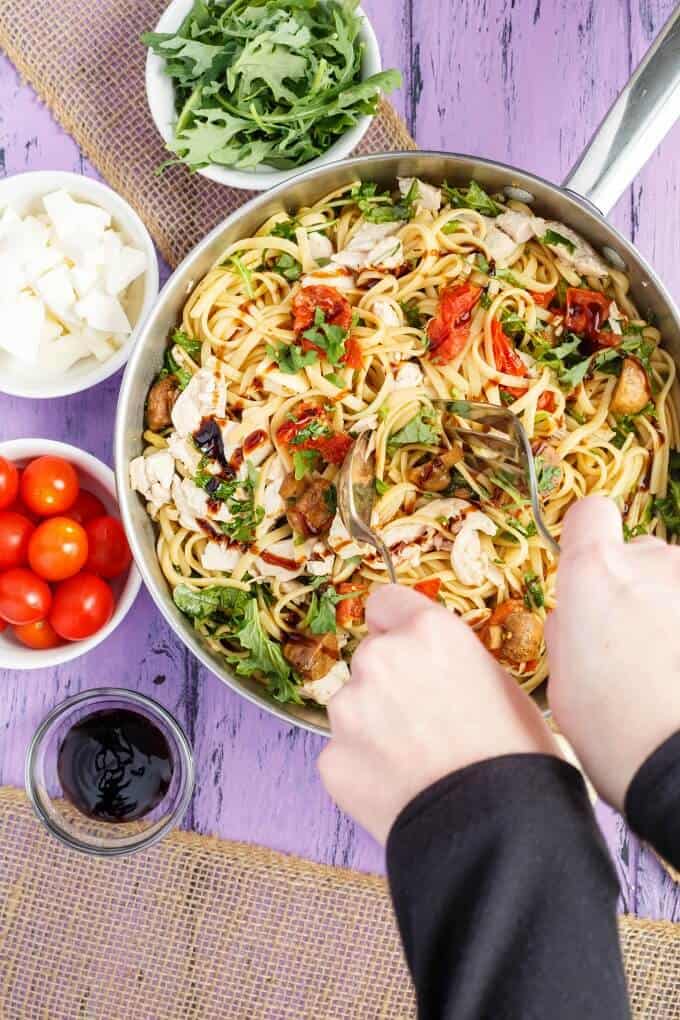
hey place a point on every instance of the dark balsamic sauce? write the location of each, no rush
(115, 765)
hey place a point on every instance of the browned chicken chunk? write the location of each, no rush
(435, 475)
(313, 657)
(632, 391)
(311, 512)
(160, 402)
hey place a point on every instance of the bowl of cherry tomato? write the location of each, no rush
(67, 579)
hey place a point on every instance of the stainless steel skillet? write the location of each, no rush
(637, 122)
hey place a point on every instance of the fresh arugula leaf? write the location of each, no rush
(187, 343)
(291, 359)
(330, 339)
(625, 424)
(668, 508)
(172, 367)
(285, 229)
(304, 463)
(547, 475)
(288, 267)
(314, 429)
(245, 275)
(473, 197)
(265, 657)
(200, 603)
(423, 428)
(482, 263)
(336, 379)
(381, 487)
(508, 276)
(502, 481)
(239, 497)
(378, 207)
(485, 299)
(552, 237)
(414, 317)
(534, 597)
(513, 324)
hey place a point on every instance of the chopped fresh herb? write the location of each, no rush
(320, 618)
(238, 495)
(513, 324)
(383, 411)
(314, 429)
(287, 266)
(330, 498)
(668, 507)
(378, 207)
(547, 475)
(474, 197)
(187, 343)
(579, 418)
(482, 263)
(508, 276)
(423, 428)
(561, 292)
(330, 339)
(381, 487)
(534, 597)
(414, 317)
(285, 229)
(506, 484)
(640, 348)
(274, 83)
(265, 656)
(304, 462)
(245, 275)
(172, 367)
(485, 299)
(200, 603)
(552, 237)
(506, 398)
(453, 227)
(291, 359)
(565, 360)
(336, 379)
(514, 526)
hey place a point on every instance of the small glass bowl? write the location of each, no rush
(88, 835)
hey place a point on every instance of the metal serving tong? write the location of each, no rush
(491, 438)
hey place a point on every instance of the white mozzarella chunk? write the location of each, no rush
(341, 279)
(500, 247)
(204, 397)
(23, 318)
(580, 255)
(320, 246)
(286, 549)
(217, 556)
(389, 254)
(371, 242)
(386, 312)
(191, 502)
(12, 277)
(9, 221)
(126, 267)
(408, 376)
(184, 451)
(56, 291)
(517, 225)
(322, 690)
(50, 331)
(69, 217)
(469, 560)
(367, 424)
(429, 197)
(322, 566)
(272, 500)
(101, 311)
(83, 279)
(98, 343)
(341, 542)
(57, 356)
(396, 534)
(152, 476)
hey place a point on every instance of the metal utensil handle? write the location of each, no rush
(637, 122)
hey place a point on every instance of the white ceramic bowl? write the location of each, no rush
(160, 95)
(98, 479)
(24, 193)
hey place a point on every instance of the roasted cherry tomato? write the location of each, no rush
(58, 549)
(306, 413)
(350, 610)
(81, 606)
(49, 486)
(9, 483)
(332, 447)
(507, 359)
(109, 552)
(430, 588)
(3, 625)
(39, 635)
(542, 300)
(15, 532)
(586, 311)
(354, 356)
(86, 507)
(335, 307)
(24, 597)
(547, 402)
(449, 331)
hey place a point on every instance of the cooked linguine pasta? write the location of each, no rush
(377, 312)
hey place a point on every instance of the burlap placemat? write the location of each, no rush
(86, 62)
(201, 929)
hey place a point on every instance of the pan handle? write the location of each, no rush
(637, 122)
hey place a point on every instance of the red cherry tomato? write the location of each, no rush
(109, 552)
(24, 597)
(3, 626)
(15, 532)
(86, 507)
(330, 301)
(39, 635)
(49, 486)
(449, 331)
(9, 483)
(429, 588)
(58, 549)
(82, 606)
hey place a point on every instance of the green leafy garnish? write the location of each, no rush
(625, 424)
(423, 428)
(272, 82)
(291, 359)
(552, 237)
(414, 317)
(474, 197)
(330, 339)
(378, 207)
(265, 657)
(172, 367)
(453, 227)
(287, 266)
(239, 497)
(668, 507)
(314, 429)
(320, 618)
(183, 340)
(245, 275)
(285, 229)
(381, 487)
(534, 597)
(504, 482)
(547, 475)
(513, 324)
(336, 379)
(482, 263)
(201, 603)
(304, 463)
(330, 498)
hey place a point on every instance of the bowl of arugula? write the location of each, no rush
(248, 92)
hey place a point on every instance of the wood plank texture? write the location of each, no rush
(523, 81)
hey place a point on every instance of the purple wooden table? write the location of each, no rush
(525, 82)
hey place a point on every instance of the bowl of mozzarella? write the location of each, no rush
(78, 277)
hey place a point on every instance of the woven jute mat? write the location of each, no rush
(85, 60)
(201, 929)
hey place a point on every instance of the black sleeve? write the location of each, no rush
(506, 897)
(653, 801)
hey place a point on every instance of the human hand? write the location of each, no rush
(614, 645)
(425, 699)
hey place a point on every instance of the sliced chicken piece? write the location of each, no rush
(311, 655)
(217, 556)
(469, 559)
(408, 376)
(320, 246)
(386, 312)
(152, 476)
(578, 254)
(517, 225)
(327, 686)
(428, 196)
(500, 247)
